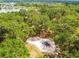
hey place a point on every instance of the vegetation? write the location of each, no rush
(61, 19)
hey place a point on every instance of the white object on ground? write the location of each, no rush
(38, 42)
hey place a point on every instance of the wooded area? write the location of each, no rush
(59, 21)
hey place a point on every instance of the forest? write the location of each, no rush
(61, 19)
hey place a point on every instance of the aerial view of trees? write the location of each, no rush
(61, 19)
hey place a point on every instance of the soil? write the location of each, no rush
(33, 51)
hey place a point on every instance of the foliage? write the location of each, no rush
(12, 48)
(60, 18)
(12, 30)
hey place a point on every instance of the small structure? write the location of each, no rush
(43, 44)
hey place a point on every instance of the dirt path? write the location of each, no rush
(33, 51)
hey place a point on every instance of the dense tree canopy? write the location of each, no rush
(61, 20)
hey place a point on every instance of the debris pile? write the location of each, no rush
(45, 45)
